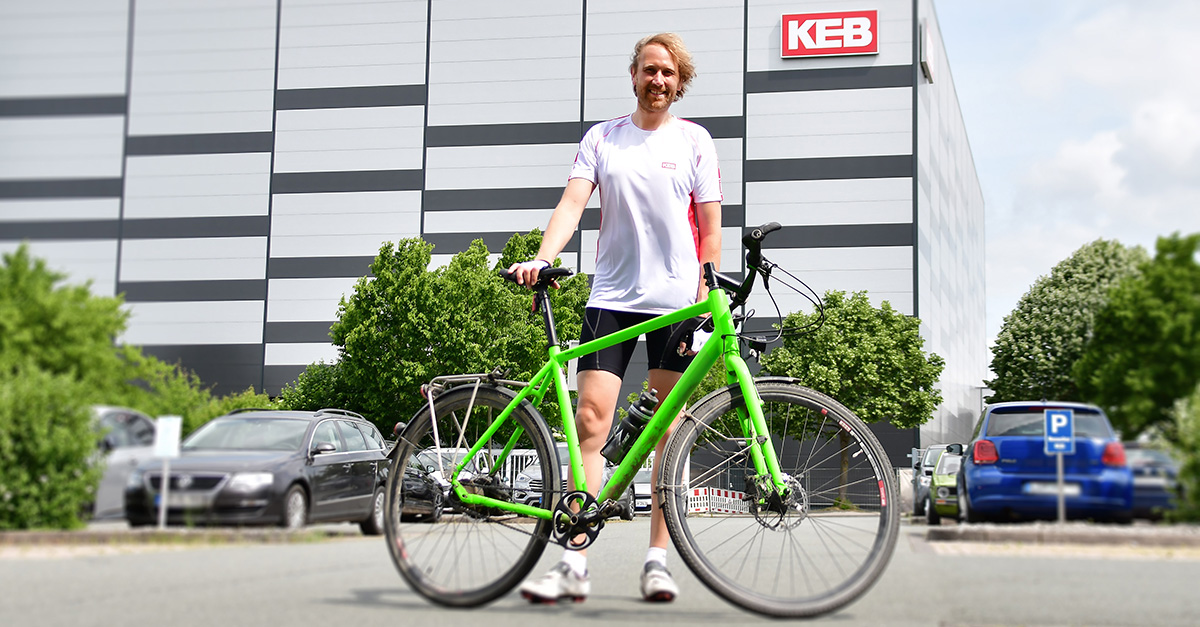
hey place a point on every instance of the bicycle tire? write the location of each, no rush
(468, 556)
(810, 555)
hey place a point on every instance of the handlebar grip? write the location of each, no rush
(757, 235)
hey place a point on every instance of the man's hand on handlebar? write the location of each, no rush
(527, 272)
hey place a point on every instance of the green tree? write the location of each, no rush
(868, 358)
(1045, 335)
(408, 324)
(1145, 350)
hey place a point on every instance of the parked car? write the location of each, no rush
(528, 485)
(255, 467)
(423, 497)
(942, 496)
(1007, 475)
(642, 484)
(922, 476)
(1155, 480)
(126, 440)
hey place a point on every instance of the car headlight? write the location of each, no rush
(924, 480)
(135, 479)
(943, 492)
(250, 481)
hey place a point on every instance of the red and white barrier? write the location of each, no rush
(717, 501)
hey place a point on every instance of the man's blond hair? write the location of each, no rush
(679, 53)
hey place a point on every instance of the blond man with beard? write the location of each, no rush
(660, 204)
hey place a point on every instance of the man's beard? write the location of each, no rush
(650, 102)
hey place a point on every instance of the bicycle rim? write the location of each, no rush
(466, 556)
(809, 553)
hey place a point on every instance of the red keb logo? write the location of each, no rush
(827, 34)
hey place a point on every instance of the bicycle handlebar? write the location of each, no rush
(546, 276)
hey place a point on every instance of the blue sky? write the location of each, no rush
(1084, 123)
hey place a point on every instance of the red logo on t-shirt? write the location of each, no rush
(667, 165)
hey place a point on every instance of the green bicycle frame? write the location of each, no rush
(723, 344)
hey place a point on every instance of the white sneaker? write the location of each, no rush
(657, 584)
(560, 583)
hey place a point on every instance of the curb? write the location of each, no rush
(1078, 533)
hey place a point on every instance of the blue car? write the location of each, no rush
(1006, 474)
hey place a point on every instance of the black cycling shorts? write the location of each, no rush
(615, 359)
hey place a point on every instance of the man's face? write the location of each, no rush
(655, 79)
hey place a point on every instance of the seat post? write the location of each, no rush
(542, 302)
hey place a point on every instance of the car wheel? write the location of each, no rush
(373, 525)
(295, 508)
(965, 513)
(436, 515)
(931, 514)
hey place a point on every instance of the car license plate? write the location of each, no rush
(1051, 487)
(1160, 482)
(183, 499)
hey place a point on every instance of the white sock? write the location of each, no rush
(577, 561)
(655, 554)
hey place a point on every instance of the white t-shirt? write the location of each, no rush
(647, 257)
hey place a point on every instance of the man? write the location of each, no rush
(660, 204)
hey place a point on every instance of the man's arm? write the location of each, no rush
(562, 225)
(708, 221)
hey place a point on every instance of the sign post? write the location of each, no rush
(166, 446)
(1060, 440)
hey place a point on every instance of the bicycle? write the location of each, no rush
(811, 528)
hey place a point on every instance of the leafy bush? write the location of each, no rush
(47, 448)
(1187, 450)
(320, 385)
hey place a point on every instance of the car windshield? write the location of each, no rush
(248, 434)
(949, 465)
(1148, 457)
(931, 456)
(1030, 422)
(450, 459)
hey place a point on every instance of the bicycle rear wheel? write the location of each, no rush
(452, 553)
(809, 551)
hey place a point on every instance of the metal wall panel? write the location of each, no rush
(360, 138)
(831, 123)
(63, 47)
(197, 185)
(828, 202)
(297, 300)
(342, 224)
(215, 322)
(507, 62)
(206, 258)
(202, 67)
(79, 262)
(54, 148)
(344, 43)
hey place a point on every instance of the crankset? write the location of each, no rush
(577, 529)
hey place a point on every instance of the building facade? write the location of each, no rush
(232, 166)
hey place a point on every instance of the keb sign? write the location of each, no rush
(830, 34)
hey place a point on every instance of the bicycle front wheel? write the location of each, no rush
(805, 550)
(462, 555)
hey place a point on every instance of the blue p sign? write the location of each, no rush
(1060, 431)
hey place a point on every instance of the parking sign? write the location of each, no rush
(1060, 431)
